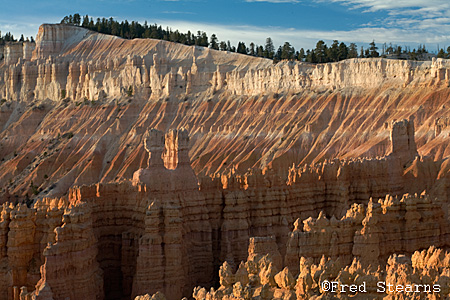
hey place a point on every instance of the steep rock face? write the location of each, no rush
(24, 234)
(72, 258)
(116, 88)
(16, 52)
(424, 272)
(165, 232)
(51, 39)
(238, 148)
(153, 234)
(370, 233)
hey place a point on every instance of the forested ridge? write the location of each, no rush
(322, 53)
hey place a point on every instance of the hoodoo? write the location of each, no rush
(145, 169)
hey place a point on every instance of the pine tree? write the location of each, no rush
(85, 23)
(260, 51)
(269, 49)
(229, 48)
(223, 46)
(373, 50)
(213, 44)
(342, 51)
(352, 51)
(311, 56)
(252, 51)
(287, 51)
(76, 19)
(333, 52)
(301, 54)
(441, 54)
(241, 48)
(321, 52)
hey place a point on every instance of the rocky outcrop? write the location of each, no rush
(118, 88)
(24, 234)
(371, 233)
(16, 52)
(187, 161)
(403, 145)
(399, 277)
(72, 258)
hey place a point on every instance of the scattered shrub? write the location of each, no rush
(130, 91)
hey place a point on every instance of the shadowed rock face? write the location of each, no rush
(77, 110)
(151, 164)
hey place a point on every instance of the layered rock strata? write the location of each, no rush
(238, 148)
(75, 111)
(168, 231)
(371, 234)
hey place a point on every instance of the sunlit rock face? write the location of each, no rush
(153, 168)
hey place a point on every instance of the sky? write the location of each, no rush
(302, 23)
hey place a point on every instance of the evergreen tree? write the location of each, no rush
(85, 23)
(252, 51)
(269, 50)
(321, 52)
(287, 51)
(277, 55)
(223, 46)
(76, 19)
(441, 54)
(241, 48)
(311, 56)
(352, 51)
(390, 49)
(342, 51)
(301, 54)
(260, 51)
(213, 44)
(333, 52)
(373, 50)
(229, 48)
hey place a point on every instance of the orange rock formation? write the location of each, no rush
(150, 167)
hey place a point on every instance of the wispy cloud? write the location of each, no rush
(274, 1)
(376, 5)
(402, 35)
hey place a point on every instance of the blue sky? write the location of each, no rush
(302, 23)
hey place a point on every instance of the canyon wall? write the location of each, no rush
(75, 111)
(168, 230)
(422, 275)
(133, 167)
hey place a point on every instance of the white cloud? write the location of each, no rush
(274, 1)
(376, 5)
(402, 22)
(405, 34)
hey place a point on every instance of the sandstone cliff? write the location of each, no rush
(168, 231)
(148, 166)
(76, 110)
(260, 278)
